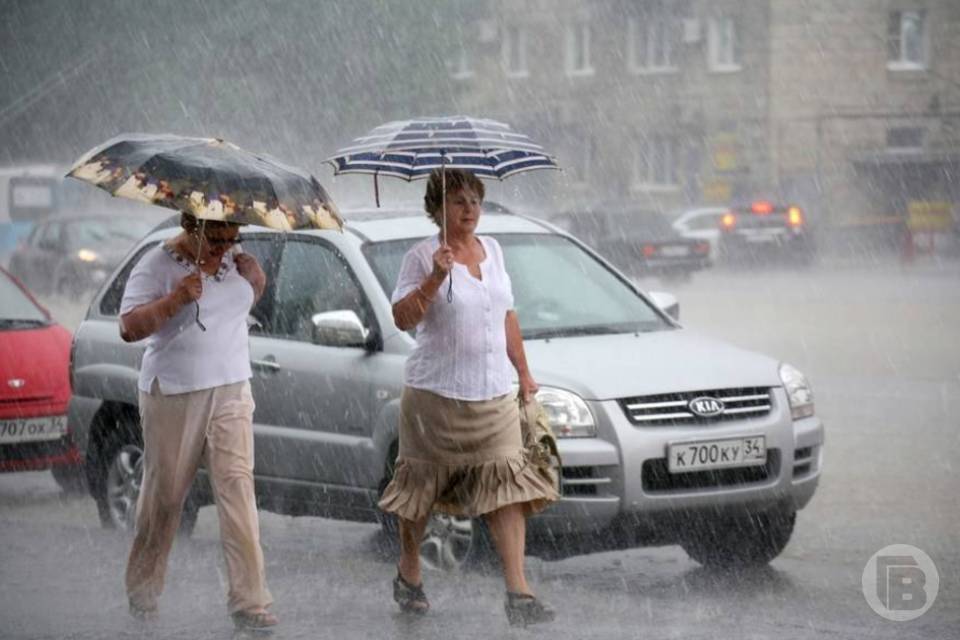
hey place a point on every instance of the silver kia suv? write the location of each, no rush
(666, 436)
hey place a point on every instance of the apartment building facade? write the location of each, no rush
(848, 107)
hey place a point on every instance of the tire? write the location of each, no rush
(70, 478)
(735, 543)
(450, 544)
(118, 476)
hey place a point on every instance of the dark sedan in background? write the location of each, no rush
(640, 242)
(766, 230)
(75, 254)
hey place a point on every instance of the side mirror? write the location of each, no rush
(667, 302)
(341, 328)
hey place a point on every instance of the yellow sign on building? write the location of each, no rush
(927, 215)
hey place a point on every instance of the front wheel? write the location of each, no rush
(746, 541)
(120, 476)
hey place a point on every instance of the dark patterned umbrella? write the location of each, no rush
(210, 179)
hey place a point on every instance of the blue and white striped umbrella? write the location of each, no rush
(411, 149)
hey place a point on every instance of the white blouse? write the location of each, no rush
(461, 350)
(179, 355)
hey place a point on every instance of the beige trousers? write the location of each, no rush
(213, 426)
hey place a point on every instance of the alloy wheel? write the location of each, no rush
(447, 542)
(123, 485)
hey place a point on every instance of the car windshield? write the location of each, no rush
(16, 309)
(98, 233)
(559, 289)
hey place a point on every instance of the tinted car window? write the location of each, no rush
(49, 237)
(701, 223)
(15, 307)
(558, 288)
(313, 278)
(110, 303)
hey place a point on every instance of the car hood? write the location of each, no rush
(625, 365)
(39, 357)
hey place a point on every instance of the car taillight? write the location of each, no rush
(701, 247)
(728, 221)
(761, 207)
(795, 217)
(649, 250)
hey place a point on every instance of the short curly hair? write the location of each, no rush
(456, 180)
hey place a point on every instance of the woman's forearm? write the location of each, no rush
(145, 320)
(410, 310)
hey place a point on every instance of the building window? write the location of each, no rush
(459, 65)
(723, 46)
(578, 49)
(907, 40)
(514, 52)
(651, 43)
(905, 139)
(656, 162)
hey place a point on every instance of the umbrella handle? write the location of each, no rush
(443, 193)
(203, 223)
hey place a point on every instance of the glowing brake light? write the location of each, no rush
(761, 207)
(649, 250)
(728, 221)
(795, 216)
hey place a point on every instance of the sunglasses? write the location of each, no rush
(221, 242)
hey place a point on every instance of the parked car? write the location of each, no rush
(34, 388)
(639, 242)
(764, 230)
(68, 254)
(701, 223)
(666, 436)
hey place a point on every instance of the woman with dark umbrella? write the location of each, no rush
(196, 406)
(460, 443)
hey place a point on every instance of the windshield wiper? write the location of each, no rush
(21, 323)
(567, 332)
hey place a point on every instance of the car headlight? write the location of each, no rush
(568, 414)
(799, 392)
(87, 255)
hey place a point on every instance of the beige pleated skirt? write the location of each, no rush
(462, 458)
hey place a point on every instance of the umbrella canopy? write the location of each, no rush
(210, 179)
(411, 149)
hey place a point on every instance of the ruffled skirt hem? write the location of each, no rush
(419, 487)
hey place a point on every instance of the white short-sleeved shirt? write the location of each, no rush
(461, 350)
(179, 355)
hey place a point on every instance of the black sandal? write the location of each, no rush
(523, 609)
(411, 598)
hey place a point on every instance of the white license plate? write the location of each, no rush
(716, 454)
(32, 429)
(674, 252)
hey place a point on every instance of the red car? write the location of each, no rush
(34, 388)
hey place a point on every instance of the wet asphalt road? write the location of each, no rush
(881, 345)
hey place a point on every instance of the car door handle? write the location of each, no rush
(267, 365)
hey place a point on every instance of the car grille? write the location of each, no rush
(656, 477)
(669, 409)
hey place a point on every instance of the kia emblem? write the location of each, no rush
(706, 407)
